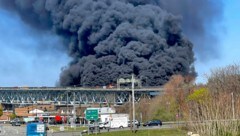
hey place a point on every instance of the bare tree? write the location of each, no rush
(225, 79)
(215, 111)
(169, 104)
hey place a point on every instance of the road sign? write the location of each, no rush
(91, 114)
(40, 128)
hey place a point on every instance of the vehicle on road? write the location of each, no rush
(117, 121)
(93, 127)
(104, 125)
(153, 123)
(137, 123)
(16, 122)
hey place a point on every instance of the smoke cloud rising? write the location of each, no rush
(111, 39)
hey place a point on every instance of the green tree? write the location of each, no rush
(13, 116)
(201, 95)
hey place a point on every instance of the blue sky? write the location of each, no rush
(25, 62)
(229, 42)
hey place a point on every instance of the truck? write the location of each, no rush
(116, 121)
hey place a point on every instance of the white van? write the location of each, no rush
(119, 120)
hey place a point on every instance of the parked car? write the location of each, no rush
(52, 122)
(94, 127)
(16, 122)
(153, 123)
(137, 123)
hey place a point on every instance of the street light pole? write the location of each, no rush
(74, 110)
(133, 102)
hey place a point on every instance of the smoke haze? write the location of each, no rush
(111, 39)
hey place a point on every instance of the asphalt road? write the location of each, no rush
(8, 130)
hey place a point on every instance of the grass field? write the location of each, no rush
(152, 132)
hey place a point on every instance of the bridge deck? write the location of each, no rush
(56, 95)
(79, 89)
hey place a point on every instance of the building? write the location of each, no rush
(26, 111)
(5, 116)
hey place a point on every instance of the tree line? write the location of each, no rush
(211, 109)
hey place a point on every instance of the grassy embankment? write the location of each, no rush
(151, 132)
(154, 132)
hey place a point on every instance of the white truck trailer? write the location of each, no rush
(119, 120)
(114, 120)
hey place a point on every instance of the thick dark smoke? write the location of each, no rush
(110, 39)
(201, 23)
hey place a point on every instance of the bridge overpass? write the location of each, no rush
(69, 95)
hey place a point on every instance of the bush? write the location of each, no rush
(12, 116)
(214, 110)
(1, 110)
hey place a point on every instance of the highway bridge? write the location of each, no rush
(71, 95)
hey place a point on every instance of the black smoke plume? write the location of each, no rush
(111, 39)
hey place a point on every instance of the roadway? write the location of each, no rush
(79, 89)
(8, 130)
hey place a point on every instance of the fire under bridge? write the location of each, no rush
(71, 95)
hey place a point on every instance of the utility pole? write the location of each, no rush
(133, 103)
(74, 110)
(233, 109)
